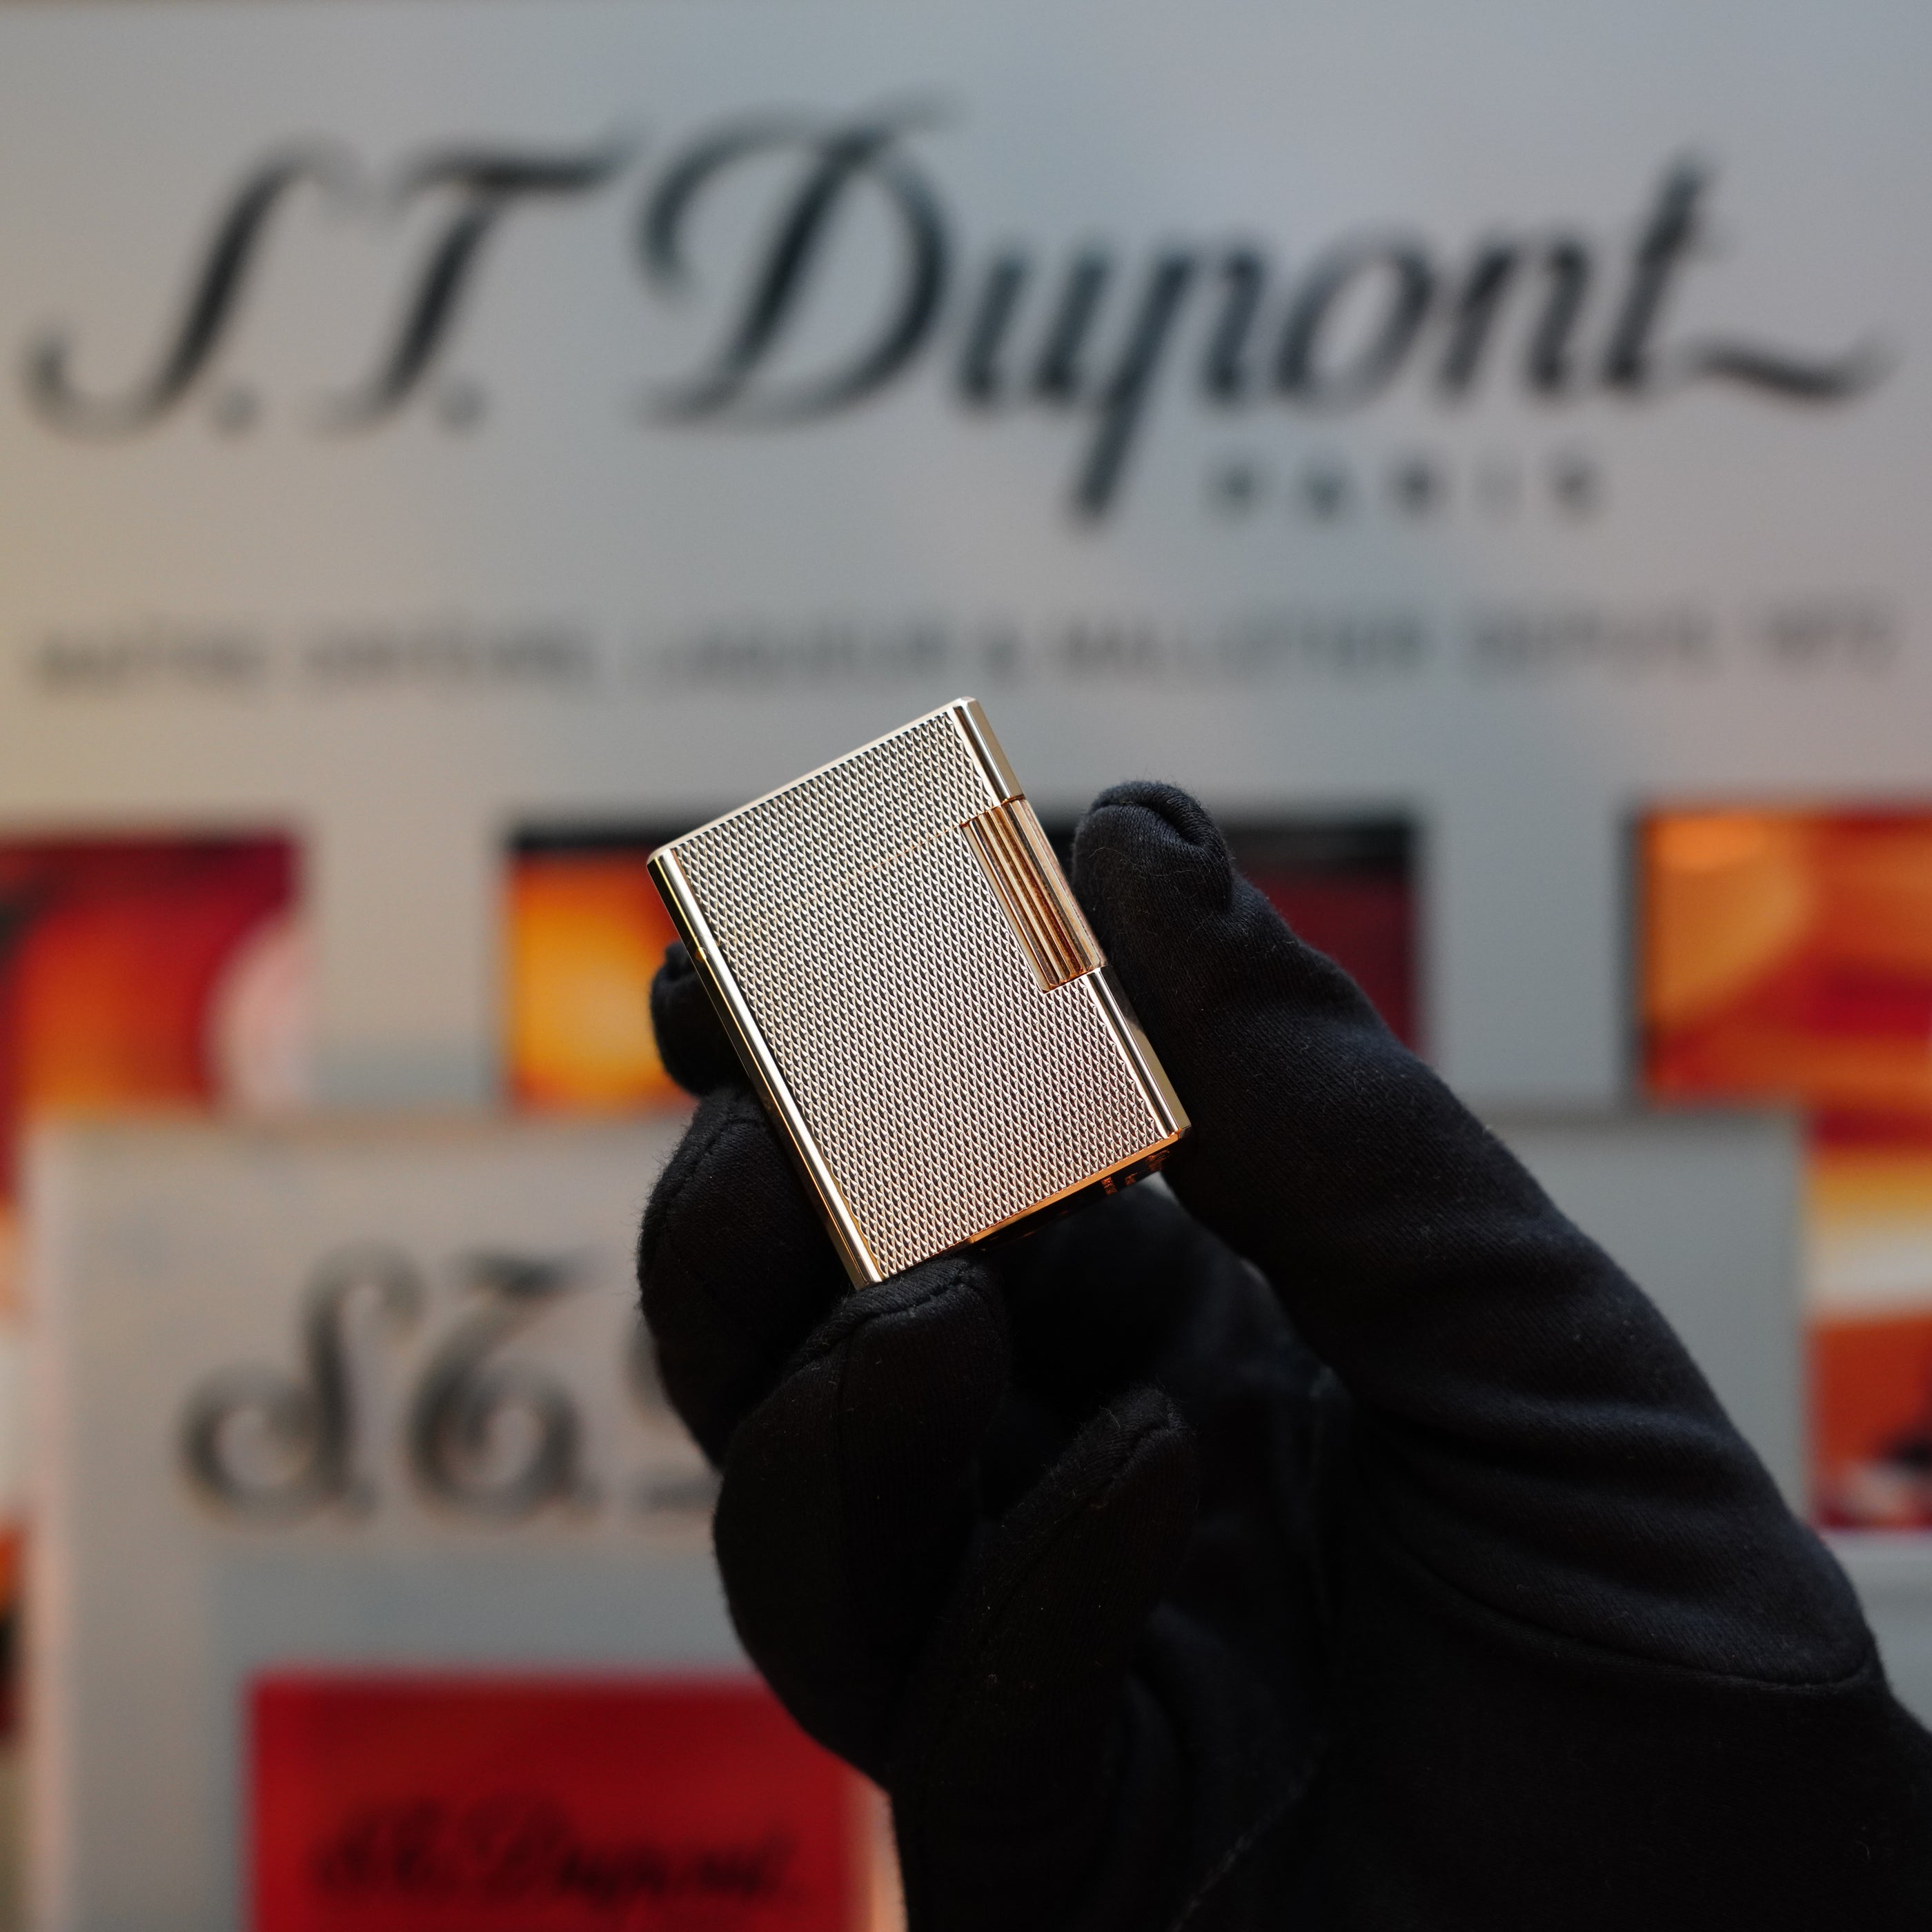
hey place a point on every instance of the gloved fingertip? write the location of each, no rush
(1113, 1515)
(692, 1042)
(1142, 1439)
(1147, 852)
(946, 1296)
(1180, 813)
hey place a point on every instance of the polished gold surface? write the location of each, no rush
(896, 956)
(1012, 848)
(974, 727)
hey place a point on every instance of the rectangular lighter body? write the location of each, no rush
(894, 951)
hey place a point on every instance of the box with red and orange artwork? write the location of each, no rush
(372, 1567)
(141, 971)
(1786, 955)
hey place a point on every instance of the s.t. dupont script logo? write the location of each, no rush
(1093, 332)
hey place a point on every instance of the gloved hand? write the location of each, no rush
(1338, 1538)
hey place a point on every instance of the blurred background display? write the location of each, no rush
(141, 972)
(445, 450)
(149, 971)
(368, 1560)
(546, 1805)
(1787, 956)
(584, 931)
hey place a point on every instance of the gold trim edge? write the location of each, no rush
(970, 722)
(1168, 1114)
(1108, 1180)
(1013, 852)
(984, 747)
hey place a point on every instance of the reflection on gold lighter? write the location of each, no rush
(896, 956)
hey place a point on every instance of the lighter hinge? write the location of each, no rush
(1013, 852)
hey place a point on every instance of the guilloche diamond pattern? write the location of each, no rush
(946, 1092)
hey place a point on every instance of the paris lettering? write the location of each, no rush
(852, 221)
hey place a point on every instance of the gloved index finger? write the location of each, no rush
(1309, 1118)
(1531, 1429)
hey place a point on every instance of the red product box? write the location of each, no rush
(495, 1804)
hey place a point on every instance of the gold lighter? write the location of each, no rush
(893, 950)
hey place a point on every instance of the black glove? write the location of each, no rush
(1457, 1603)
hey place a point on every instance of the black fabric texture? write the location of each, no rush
(1328, 1537)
